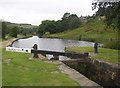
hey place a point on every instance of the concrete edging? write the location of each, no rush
(76, 76)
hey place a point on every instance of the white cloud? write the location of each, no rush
(34, 11)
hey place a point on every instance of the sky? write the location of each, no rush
(34, 11)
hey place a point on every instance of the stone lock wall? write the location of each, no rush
(103, 73)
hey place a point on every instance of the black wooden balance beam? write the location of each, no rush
(54, 53)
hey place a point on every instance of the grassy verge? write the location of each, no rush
(18, 70)
(108, 55)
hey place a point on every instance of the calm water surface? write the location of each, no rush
(49, 44)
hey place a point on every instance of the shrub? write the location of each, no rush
(89, 39)
(112, 44)
(46, 34)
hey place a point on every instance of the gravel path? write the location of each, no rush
(5, 43)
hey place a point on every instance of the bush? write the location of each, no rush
(112, 45)
(89, 39)
(46, 34)
(80, 37)
(14, 31)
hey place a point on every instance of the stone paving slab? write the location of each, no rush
(76, 76)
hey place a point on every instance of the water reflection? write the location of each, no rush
(49, 44)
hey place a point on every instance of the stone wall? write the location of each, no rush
(101, 72)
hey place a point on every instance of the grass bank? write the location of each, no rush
(94, 31)
(108, 55)
(18, 70)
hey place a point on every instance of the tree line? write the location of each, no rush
(13, 31)
(67, 22)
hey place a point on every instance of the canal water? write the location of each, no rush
(49, 44)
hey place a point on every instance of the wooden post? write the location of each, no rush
(35, 54)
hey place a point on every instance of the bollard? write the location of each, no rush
(86, 54)
(35, 54)
(96, 47)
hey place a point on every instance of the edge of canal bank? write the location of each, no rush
(75, 75)
(6, 43)
(9, 42)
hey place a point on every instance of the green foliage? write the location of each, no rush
(69, 21)
(66, 15)
(24, 29)
(4, 29)
(110, 10)
(14, 31)
(80, 37)
(112, 45)
(21, 71)
(109, 55)
(28, 31)
(46, 34)
(94, 30)
(24, 32)
(73, 21)
(48, 26)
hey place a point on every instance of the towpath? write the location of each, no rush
(5, 43)
(75, 75)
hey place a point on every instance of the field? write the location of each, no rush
(18, 70)
(108, 55)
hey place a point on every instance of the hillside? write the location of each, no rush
(23, 29)
(24, 26)
(94, 30)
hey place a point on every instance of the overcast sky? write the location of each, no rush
(34, 11)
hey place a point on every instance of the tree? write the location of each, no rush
(4, 28)
(14, 31)
(74, 21)
(60, 26)
(110, 10)
(47, 26)
(24, 32)
(65, 16)
(69, 21)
